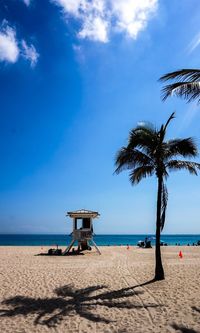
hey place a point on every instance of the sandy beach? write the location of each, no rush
(92, 293)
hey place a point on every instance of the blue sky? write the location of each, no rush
(75, 77)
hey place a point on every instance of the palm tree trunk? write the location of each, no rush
(159, 272)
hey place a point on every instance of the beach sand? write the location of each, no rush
(93, 293)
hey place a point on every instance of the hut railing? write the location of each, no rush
(82, 234)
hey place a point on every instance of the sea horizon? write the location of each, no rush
(106, 234)
(101, 239)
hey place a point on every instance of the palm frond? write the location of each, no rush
(128, 158)
(144, 137)
(182, 75)
(141, 172)
(172, 116)
(175, 165)
(164, 127)
(141, 134)
(187, 90)
(183, 147)
(164, 200)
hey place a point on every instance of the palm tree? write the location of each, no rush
(146, 154)
(187, 84)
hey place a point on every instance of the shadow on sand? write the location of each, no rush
(51, 311)
(196, 309)
(183, 329)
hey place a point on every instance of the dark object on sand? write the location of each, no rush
(146, 244)
(163, 243)
(54, 252)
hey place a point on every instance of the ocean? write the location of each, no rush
(102, 240)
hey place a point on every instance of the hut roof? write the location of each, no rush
(81, 213)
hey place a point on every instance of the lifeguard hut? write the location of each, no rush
(82, 229)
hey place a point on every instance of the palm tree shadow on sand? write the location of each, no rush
(196, 309)
(69, 300)
(183, 329)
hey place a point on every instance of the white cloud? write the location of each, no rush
(29, 53)
(132, 16)
(27, 2)
(99, 18)
(9, 50)
(70, 6)
(95, 28)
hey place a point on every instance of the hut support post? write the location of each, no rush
(69, 247)
(95, 246)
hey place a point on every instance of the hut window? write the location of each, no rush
(86, 223)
